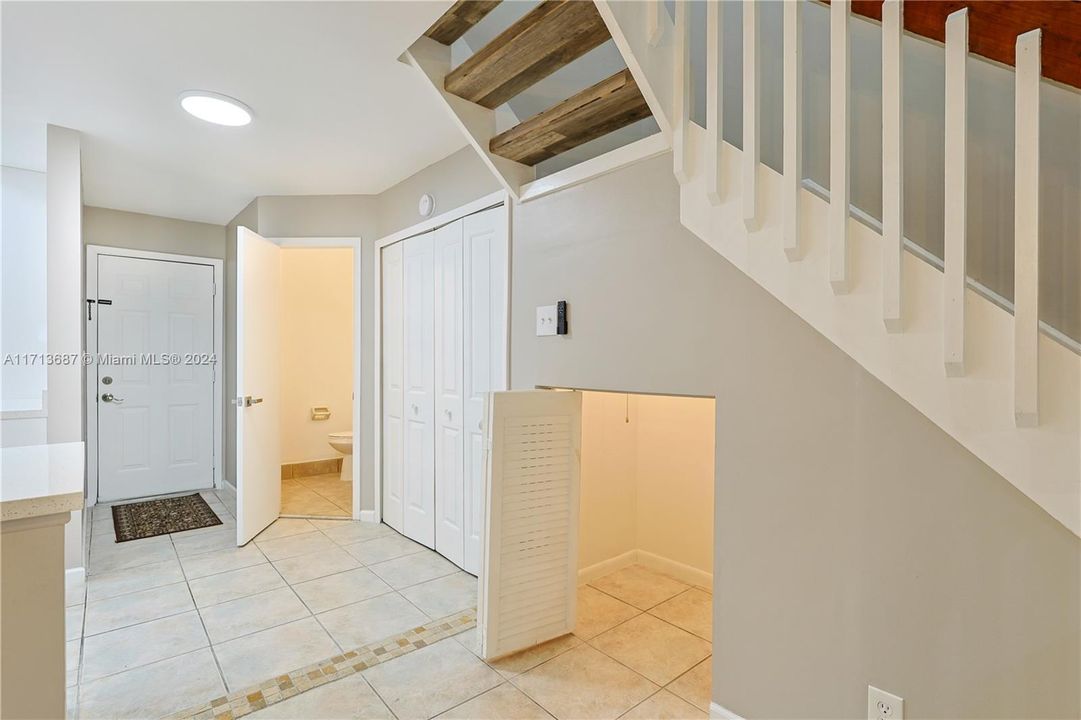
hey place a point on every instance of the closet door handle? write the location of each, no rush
(415, 408)
(449, 416)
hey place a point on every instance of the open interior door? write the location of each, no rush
(258, 382)
(529, 573)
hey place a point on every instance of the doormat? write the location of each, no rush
(151, 518)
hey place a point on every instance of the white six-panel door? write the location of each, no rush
(155, 416)
(529, 574)
(419, 378)
(485, 235)
(393, 396)
(449, 374)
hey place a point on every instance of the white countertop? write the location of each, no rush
(40, 480)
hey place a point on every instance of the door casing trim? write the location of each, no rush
(93, 252)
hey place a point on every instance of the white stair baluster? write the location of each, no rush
(893, 244)
(714, 100)
(681, 95)
(793, 126)
(751, 77)
(956, 192)
(1026, 229)
(840, 13)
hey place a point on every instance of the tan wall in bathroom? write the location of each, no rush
(317, 349)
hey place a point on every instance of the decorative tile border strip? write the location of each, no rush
(273, 691)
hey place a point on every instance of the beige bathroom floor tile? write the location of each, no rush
(584, 684)
(639, 586)
(598, 612)
(664, 706)
(695, 685)
(520, 662)
(652, 647)
(445, 595)
(691, 610)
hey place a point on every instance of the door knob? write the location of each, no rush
(109, 397)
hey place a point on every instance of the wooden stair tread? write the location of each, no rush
(456, 21)
(612, 103)
(553, 34)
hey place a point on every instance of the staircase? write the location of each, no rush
(997, 381)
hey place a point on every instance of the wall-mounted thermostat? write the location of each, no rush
(552, 319)
(426, 205)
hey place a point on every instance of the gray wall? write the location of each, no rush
(136, 231)
(855, 542)
(453, 181)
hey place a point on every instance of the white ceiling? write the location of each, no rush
(335, 112)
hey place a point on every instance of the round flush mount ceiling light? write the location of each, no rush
(215, 108)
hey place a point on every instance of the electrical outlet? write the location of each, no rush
(882, 705)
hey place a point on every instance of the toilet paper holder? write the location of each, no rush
(320, 413)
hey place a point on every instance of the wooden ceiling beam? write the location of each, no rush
(598, 110)
(551, 35)
(456, 21)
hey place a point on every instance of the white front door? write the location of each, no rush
(419, 377)
(258, 382)
(393, 396)
(449, 440)
(156, 403)
(529, 575)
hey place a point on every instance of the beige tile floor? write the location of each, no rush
(163, 624)
(317, 496)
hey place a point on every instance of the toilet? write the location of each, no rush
(343, 443)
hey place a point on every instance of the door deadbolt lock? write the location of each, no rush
(106, 380)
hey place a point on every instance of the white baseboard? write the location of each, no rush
(592, 572)
(671, 568)
(677, 570)
(74, 575)
(717, 712)
(369, 516)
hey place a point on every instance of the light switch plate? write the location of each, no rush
(546, 320)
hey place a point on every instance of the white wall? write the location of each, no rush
(317, 349)
(22, 306)
(647, 478)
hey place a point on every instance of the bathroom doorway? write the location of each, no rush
(297, 378)
(317, 390)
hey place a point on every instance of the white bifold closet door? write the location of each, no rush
(485, 235)
(449, 375)
(393, 394)
(528, 580)
(418, 381)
